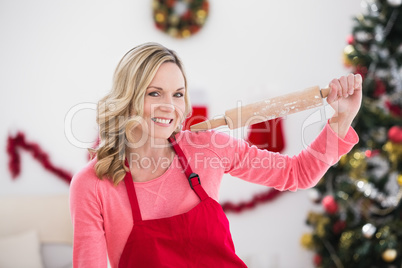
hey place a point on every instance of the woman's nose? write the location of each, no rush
(167, 107)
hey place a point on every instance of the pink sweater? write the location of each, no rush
(101, 212)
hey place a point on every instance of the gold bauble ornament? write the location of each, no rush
(155, 4)
(313, 218)
(185, 33)
(321, 226)
(307, 241)
(344, 160)
(383, 233)
(389, 255)
(174, 20)
(359, 165)
(394, 151)
(160, 17)
(350, 56)
(173, 32)
(346, 61)
(346, 240)
(399, 179)
(349, 50)
(201, 15)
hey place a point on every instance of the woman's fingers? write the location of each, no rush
(351, 84)
(343, 80)
(344, 86)
(358, 82)
(335, 87)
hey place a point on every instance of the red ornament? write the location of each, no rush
(317, 260)
(393, 108)
(380, 88)
(170, 3)
(187, 15)
(329, 204)
(194, 28)
(350, 39)
(371, 153)
(338, 226)
(362, 70)
(395, 134)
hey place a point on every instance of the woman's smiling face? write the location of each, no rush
(164, 102)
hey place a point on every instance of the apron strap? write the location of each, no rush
(193, 178)
(135, 208)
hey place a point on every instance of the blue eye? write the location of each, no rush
(153, 94)
(179, 95)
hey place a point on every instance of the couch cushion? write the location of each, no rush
(20, 250)
(49, 215)
(57, 255)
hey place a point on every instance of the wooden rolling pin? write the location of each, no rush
(267, 109)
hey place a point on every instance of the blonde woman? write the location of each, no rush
(149, 197)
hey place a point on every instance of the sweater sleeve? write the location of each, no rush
(289, 173)
(89, 248)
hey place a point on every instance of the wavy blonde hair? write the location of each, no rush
(121, 109)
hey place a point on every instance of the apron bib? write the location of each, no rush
(197, 238)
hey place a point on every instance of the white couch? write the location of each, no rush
(35, 231)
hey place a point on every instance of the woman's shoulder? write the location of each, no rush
(85, 176)
(86, 185)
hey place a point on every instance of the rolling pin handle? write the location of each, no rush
(325, 92)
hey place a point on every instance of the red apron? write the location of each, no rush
(197, 238)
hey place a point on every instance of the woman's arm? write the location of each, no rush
(284, 172)
(305, 169)
(89, 248)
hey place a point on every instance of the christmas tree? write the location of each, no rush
(359, 222)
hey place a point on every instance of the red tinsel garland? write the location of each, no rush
(19, 141)
(257, 199)
(14, 164)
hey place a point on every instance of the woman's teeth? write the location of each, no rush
(163, 121)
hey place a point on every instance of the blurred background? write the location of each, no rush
(58, 58)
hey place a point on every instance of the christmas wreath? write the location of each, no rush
(180, 18)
